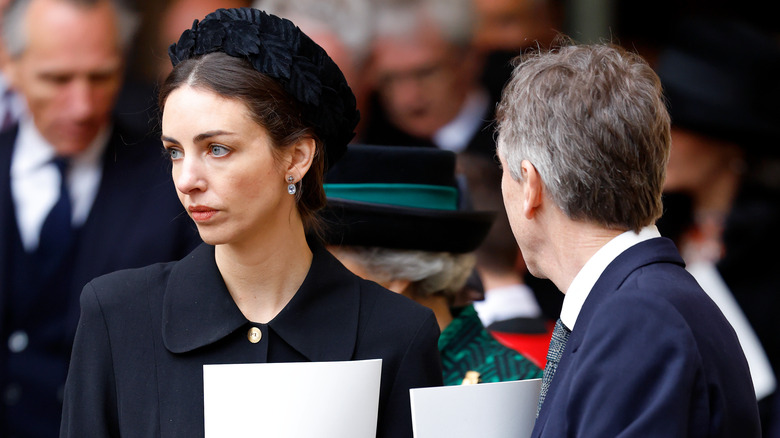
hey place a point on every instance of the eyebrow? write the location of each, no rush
(198, 138)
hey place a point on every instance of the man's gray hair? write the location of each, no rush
(593, 122)
(350, 20)
(15, 36)
(429, 272)
(453, 18)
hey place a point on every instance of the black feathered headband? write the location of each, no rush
(279, 49)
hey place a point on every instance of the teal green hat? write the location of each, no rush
(400, 198)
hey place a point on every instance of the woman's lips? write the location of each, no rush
(201, 214)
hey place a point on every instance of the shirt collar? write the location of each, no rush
(37, 152)
(320, 321)
(455, 135)
(587, 276)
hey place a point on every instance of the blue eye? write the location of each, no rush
(219, 150)
(174, 154)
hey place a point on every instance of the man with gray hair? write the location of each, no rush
(81, 194)
(639, 349)
(426, 73)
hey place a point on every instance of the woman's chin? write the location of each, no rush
(210, 237)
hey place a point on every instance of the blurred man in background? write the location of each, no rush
(81, 194)
(426, 74)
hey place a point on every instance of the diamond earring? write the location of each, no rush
(290, 186)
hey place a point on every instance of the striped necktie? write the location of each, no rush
(557, 345)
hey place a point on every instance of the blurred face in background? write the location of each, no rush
(178, 17)
(697, 162)
(70, 71)
(422, 80)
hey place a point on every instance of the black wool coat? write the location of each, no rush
(145, 334)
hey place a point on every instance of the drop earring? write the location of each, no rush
(290, 186)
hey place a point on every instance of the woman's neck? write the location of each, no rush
(438, 304)
(263, 277)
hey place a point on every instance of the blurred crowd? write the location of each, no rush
(426, 73)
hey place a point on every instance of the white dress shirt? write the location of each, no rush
(583, 282)
(455, 135)
(35, 180)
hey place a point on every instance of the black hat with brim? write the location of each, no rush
(400, 198)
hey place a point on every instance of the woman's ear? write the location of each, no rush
(301, 157)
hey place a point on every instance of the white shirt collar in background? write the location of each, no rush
(35, 180)
(455, 136)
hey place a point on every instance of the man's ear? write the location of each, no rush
(532, 189)
(301, 157)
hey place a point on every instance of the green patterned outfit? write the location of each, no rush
(465, 345)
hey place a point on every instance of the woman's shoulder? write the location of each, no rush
(388, 298)
(392, 309)
(375, 300)
(129, 285)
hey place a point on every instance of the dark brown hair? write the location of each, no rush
(269, 105)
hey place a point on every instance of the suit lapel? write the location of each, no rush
(7, 141)
(657, 250)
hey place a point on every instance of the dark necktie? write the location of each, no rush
(56, 232)
(557, 345)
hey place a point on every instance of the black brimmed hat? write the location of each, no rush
(400, 198)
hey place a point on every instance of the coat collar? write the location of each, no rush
(320, 321)
(7, 215)
(656, 250)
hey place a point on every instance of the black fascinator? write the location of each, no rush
(279, 49)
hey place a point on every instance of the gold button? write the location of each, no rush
(254, 335)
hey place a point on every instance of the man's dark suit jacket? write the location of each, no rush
(144, 336)
(136, 220)
(650, 356)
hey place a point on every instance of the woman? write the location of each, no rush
(253, 113)
(394, 220)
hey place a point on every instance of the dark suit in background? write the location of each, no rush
(136, 220)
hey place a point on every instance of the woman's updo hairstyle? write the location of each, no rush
(289, 84)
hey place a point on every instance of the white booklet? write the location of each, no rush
(495, 410)
(292, 400)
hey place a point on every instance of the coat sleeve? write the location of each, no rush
(637, 373)
(419, 368)
(90, 407)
